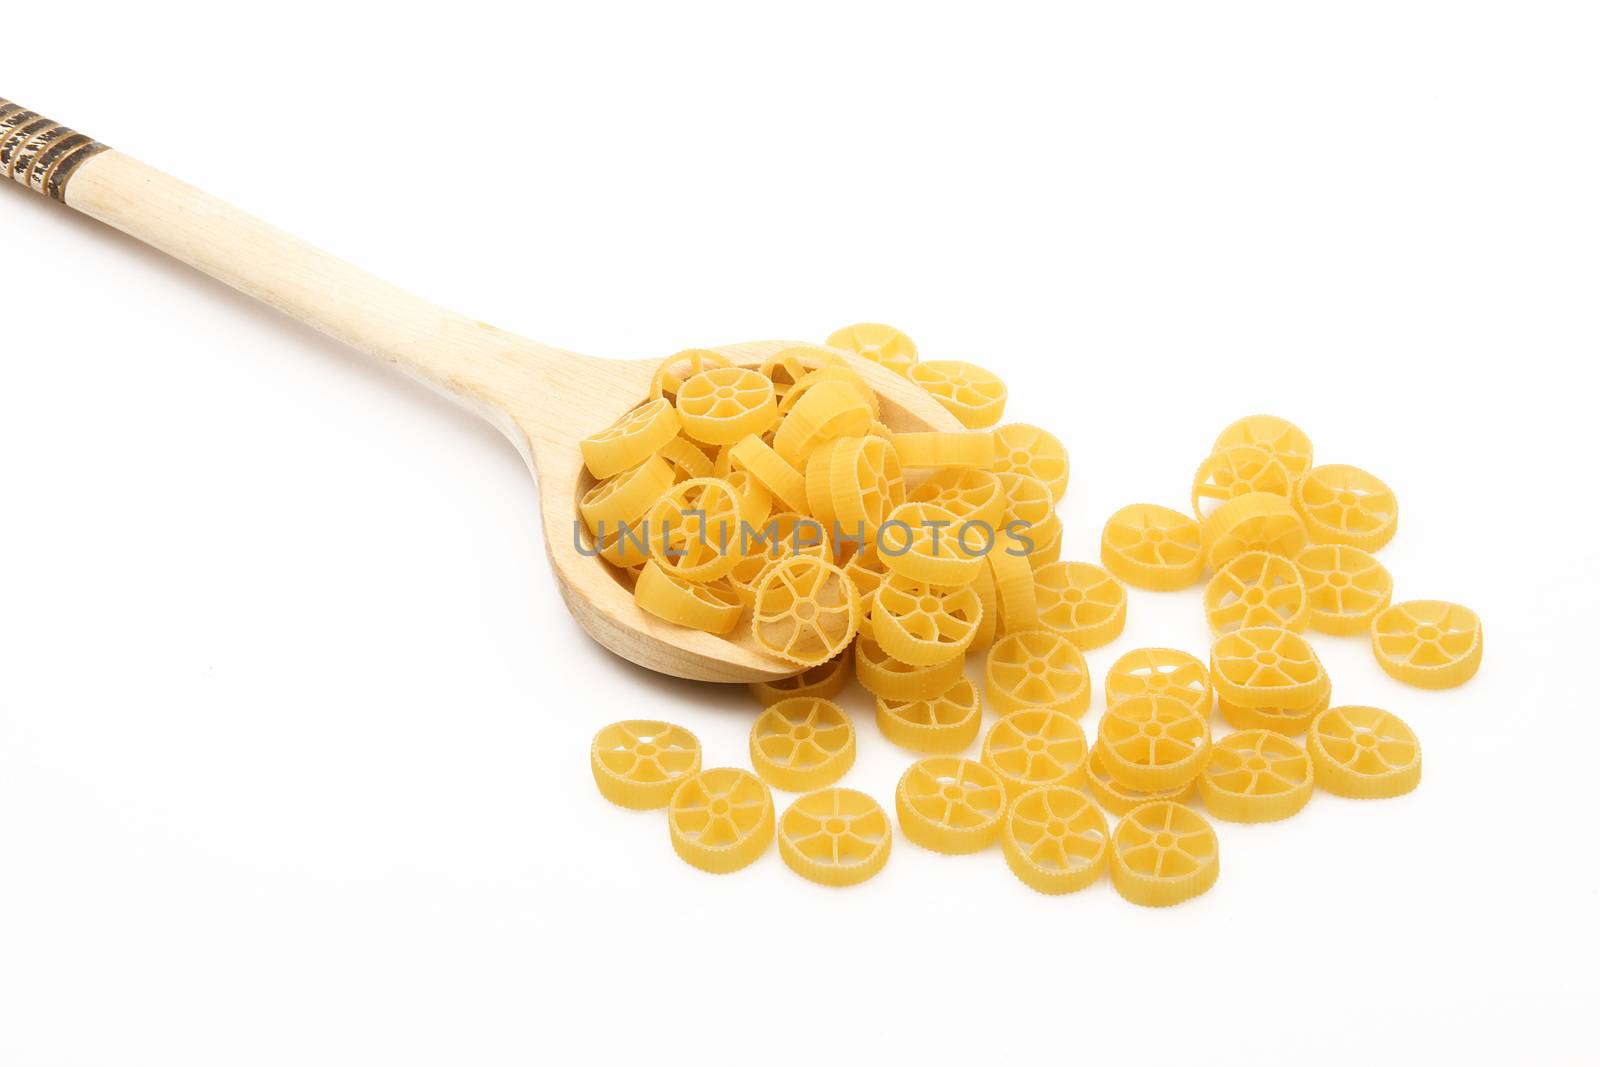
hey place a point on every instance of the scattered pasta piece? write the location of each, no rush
(828, 410)
(1036, 669)
(1047, 544)
(1034, 748)
(1432, 644)
(721, 819)
(1255, 521)
(1055, 840)
(1345, 588)
(826, 680)
(1080, 602)
(864, 484)
(1234, 471)
(755, 500)
(1257, 589)
(1014, 590)
(1365, 753)
(883, 345)
(714, 607)
(1154, 742)
(1152, 547)
(675, 370)
(695, 530)
(1344, 505)
(866, 570)
(923, 542)
(1266, 667)
(924, 625)
(835, 837)
(1163, 672)
(838, 373)
(989, 600)
(973, 395)
(972, 496)
(631, 440)
(625, 497)
(686, 460)
(925, 450)
(1278, 436)
(950, 805)
(727, 404)
(937, 726)
(1256, 776)
(639, 763)
(1117, 798)
(890, 679)
(1024, 449)
(802, 743)
(787, 485)
(784, 369)
(784, 535)
(806, 610)
(1282, 720)
(1163, 853)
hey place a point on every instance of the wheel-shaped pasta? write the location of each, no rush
(1029, 504)
(721, 819)
(787, 485)
(937, 726)
(972, 496)
(950, 805)
(1152, 547)
(1255, 521)
(1278, 436)
(989, 599)
(639, 763)
(677, 369)
(1432, 644)
(1344, 505)
(838, 373)
(1256, 776)
(825, 680)
(1257, 589)
(726, 404)
(1365, 753)
(1081, 602)
(784, 369)
(1279, 719)
(1028, 749)
(1163, 853)
(1234, 471)
(1036, 669)
(686, 460)
(1154, 742)
(1117, 798)
(784, 535)
(865, 483)
(1024, 449)
(835, 837)
(1162, 671)
(1055, 840)
(1014, 590)
(802, 743)
(714, 607)
(860, 561)
(1345, 588)
(925, 543)
(755, 500)
(695, 530)
(883, 345)
(921, 624)
(1047, 544)
(806, 610)
(884, 676)
(925, 450)
(1265, 666)
(630, 440)
(976, 397)
(624, 498)
(826, 411)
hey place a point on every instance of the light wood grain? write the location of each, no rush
(543, 399)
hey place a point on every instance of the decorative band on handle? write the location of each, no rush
(39, 153)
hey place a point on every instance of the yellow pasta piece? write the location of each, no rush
(865, 483)
(784, 369)
(1162, 671)
(925, 450)
(1117, 798)
(972, 496)
(1038, 747)
(1163, 853)
(884, 676)
(950, 805)
(825, 680)
(714, 607)
(1279, 719)
(989, 602)
(860, 561)
(1234, 471)
(695, 530)
(806, 610)
(1036, 669)
(628, 547)
(1365, 753)
(1257, 589)
(677, 369)
(835, 837)
(1256, 776)
(1266, 667)
(1047, 544)
(826, 411)
(686, 460)
(1080, 602)
(755, 500)
(727, 404)
(787, 485)
(1154, 742)
(1024, 449)
(937, 726)
(1152, 547)
(802, 743)
(1345, 588)
(924, 625)
(639, 763)
(631, 440)
(924, 542)
(838, 373)
(973, 395)
(1432, 644)
(721, 819)
(819, 488)
(1028, 501)
(1014, 590)
(783, 535)
(1253, 522)
(624, 497)
(1344, 505)
(1055, 840)
(1278, 436)
(884, 345)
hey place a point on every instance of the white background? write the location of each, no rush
(294, 728)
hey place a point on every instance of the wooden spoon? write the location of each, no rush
(543, 399)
